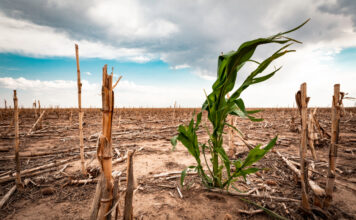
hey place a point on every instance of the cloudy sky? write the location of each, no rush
(167, 50)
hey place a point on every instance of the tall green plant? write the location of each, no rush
(218, 108)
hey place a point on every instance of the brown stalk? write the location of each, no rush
(34, 106)
(36, 123)
(174, 111)
(302, 105)
(311, 135)
(104, 151)
(335, 118)
(81, 114)
(96, 201)
(39, 110)
(17, 141)
(128, 210)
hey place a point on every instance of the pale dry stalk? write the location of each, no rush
(36, 123)
(174, 112)
(81, 114)
(35, 107)
(311, 135)
(39, 126)
(17, 141)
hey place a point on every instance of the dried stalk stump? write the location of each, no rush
(35, 108)
(17, 142)
(311, 135)
(335, 117)
(104, 151)
(39, 126)
(96, 201)
(103, 199)
(81, 114)
(302, 102)
(116, 199)
(128, 210)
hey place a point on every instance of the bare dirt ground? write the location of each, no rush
(50, 196)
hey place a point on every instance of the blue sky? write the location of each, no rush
(346, 59)
(154, 72)
(167, 51)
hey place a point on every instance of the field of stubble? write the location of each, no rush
(52, 194)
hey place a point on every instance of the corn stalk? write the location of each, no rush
(105, 145)
(335, 119)
(17, 142)
(219, 107)
(103, 199)
(81, 113)
(303, 102)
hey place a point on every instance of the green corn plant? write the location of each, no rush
(219, 107)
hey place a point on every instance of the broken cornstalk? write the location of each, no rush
(335, 117)
(311, 135)
(302, 101)
(39, 110)
(36, 170)
(128, 211)
(35, 124)
(81, 114)
(17, 141)
(34, 106)
(104, 151)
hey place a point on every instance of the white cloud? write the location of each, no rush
(310, 65)
(129, 94)
(129, 19)
(190, 34)
(205, 74)
(88, 73)
(24, 37)
(25, 84)
(181, 66)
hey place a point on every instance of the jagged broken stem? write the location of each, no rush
(104, 151)
(303, 146)
(335, 118)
